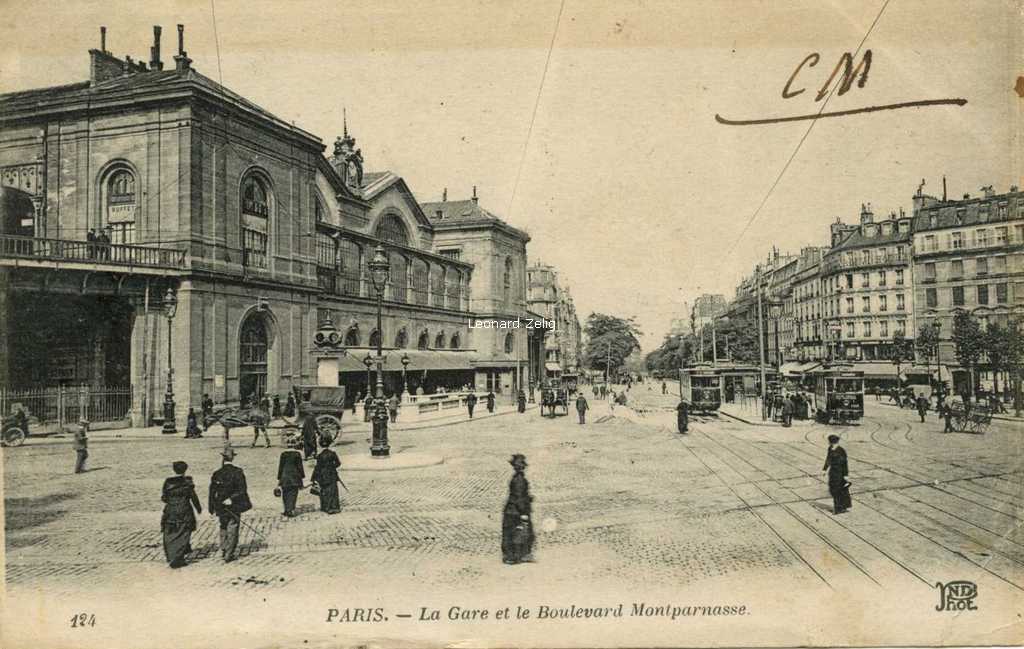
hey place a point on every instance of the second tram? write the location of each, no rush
(838, 394)
(701, 387)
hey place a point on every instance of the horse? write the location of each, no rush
(236, 417)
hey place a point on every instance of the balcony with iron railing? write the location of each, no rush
(15, 249)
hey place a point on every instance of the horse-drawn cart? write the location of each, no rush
(554, 395)
(325, 403)
(973, 418)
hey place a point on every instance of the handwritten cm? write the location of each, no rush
(846, 75)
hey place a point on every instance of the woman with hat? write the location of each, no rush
(325, 475)
(838, 484)
(290, 475)
(516, 529)
(178, 520)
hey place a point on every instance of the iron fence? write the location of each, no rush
(64, 405)
(85, 251)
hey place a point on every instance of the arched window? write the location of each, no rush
(121, 206)
(319, 212)
(420, 279)
(424, 341)
(402, 339)
(507, 280)
(352, 337)
(455, 341)
(255, 210)
(252, 357)
(392, 229)
(439, 341)
(374, 338)
(510, 343)
(399, 277)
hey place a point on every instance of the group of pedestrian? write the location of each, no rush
(787, 407)
(98, 243)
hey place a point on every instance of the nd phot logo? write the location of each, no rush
(957, 596)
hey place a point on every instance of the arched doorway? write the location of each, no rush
(253, 351)
(17, 213)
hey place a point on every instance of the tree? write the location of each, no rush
(674, 352)
(997, 344)
(927, 344)
(741, 335)
(1014, 361)
(902, 351)
(610, 340)
(968, 344)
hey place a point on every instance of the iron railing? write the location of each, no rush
(118, 254)
(66, 405)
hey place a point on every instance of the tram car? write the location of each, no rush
(570, 382)
(701, 387)
(838, 394)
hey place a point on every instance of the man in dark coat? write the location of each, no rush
(289, 406)
(516, 526)
(683, 416)
(490, 401)
(90, 240)
(393, 407)
(521, 401)
(922, 406)
(581, 408)
(787, 412)
(260, 419)
(178, 520)
(838, 483)
(290, 475)
(207, 406)
(310, 431)
(229, 499)
(471, 403)
(81, 444)
(367, 407)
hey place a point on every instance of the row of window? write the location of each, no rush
(984, 213)
(868, 329)
(979, 238)
(876, 279)
(982, 267)
(882, 302)
(441, 340)
(959, 294)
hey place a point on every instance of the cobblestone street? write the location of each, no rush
(656, 514)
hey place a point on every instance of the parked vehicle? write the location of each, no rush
(838, 394)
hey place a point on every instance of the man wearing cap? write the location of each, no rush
(838, 484)
(81, 445)
(582, 407)
(229, 499)
(290, 474)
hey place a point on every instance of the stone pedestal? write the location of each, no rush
(327, 371)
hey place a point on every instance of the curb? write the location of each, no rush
(1016, 420)
(747, 421)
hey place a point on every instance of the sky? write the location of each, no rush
(592, 124)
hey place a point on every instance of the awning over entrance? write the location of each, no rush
(419, 360)
(877, 370)
(796, 369)
(553, 367)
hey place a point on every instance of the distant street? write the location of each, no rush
(651, 509)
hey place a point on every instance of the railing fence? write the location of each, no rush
(65, 405)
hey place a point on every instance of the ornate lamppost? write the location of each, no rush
(405, 365)
(380, 271)
(170, 308)
(368, 362)
(775, 310)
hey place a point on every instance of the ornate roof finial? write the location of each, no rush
(344, 122)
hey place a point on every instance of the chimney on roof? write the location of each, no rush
(128, 65)
(103, 38)
(943, 188)
(444, 195)
(102, 65)
(154, 52)
(474, 194)
(866, 215)
(181, 62)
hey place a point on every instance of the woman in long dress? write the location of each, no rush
(325, 475)
(516, 526)
(178, 520)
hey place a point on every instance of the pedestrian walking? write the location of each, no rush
(838, 478)
(521, 401)
(357, 401)
(393, 408)
(581, 408)
(947, 415)
(290, 475)
(787, 412)
(490, 401)
(229, 499)
(178, 520)
(595, 391)
(289, 406)
(471, 403)
(367, 407)
(516, 527)
(683, 416)
(103, 239)
(207, 407)
(275, 407)
(191, 425)
(260, 419)
(90, 243)
(310, 431)
(922, 406)
(325, 475)
(81, 444)
(664, 387)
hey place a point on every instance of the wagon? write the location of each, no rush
(554, 395)
(14, 430)
(325, 403)
(973, 419)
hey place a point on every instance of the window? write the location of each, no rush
(929, 271)
(507, 280)
(352, 337)
(402, 339)
(121, 207)
(1001, 236)
(1002, 211)
(866, 255)
(883, 303)
(981, 237)
(374, 338)
(956, 240)
(931, 297)
(999, 265)
(255, 211)
(865, 279)
(883, 329)
(981, 265)
(900, 252)
(929, 243)
(1018, 233)
(956, 268)
(958, 296)
(456, 342)
(901, 327)
(933, 220)
(439, 341)
(392, 229)
(349, 256)
(327, 252)
(510, 343)
(901, 305)
(960, 212)
(399, 277)
(318, 210)
(899, 277)
(982, 294)
(849, 305)
(983, 214)
(881, 278)
(865, 305)
(849, 281)
(850, 333)
(437, 285)
(453, 282)
(451, 253)
(1002, 293)
(424, 341)
(867, 329)
(420, 280)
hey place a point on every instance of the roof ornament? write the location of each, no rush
(348, 157)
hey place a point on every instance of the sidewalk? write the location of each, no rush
(154, 433)
(747, 413)
(1001, 417)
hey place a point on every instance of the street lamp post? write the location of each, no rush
(775, 310)
(170, 308)
(368, 362)
(405, 365)
(380, 271)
